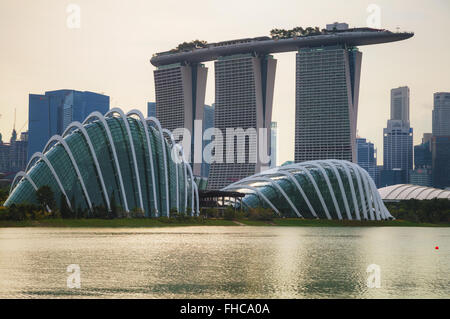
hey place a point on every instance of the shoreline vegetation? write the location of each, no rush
(408, 213)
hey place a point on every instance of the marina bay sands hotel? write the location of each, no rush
(328, 67)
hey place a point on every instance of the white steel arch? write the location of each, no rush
(313, 182)
(345, 166)
(102, 120)
(341, 187)
(292, 178)
(193, 189)
(57, 138)
(259, 194)
(362, 194)
(176, 164)
(83, 131)
(330, 187)
(149, 148)
(39, 155)
(166, 168)
(278, 187)
(22, 175)
(133, 152)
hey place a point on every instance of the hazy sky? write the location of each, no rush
(110, 52)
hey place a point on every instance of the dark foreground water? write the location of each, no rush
(225, 262)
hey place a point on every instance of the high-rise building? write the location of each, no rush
(441, 114)
(366, 155)
(208, 122)
(151, 109)
(49, 114)
(244, 96)
(398, 139)
(421, 175)
(440, 148)
(327, 91)
(398, 148)
(180, 98)
(273, 144)
(400, 104)
(13, 155)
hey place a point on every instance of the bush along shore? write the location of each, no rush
(426, 213)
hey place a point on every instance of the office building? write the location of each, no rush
(327, 91)
(440, 148)
(366, 155)
(151, 109)
(244, 95)
(51, 113)
(441, 114)
(421, 175)
(398, 140)
(13, 155)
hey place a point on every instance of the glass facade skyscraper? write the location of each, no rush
(51, 113)
(327, 91)
(366, 156)
(398, 140)
(441, 114)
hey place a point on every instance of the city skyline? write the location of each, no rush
(112, 58)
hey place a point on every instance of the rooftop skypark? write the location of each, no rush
(280, 40)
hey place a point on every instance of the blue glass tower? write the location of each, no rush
(51, 113)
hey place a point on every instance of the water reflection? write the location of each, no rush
(225, 262)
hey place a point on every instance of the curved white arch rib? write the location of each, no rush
(292, 178)
(102, 120)
(394, 189)
(313, 182)
(376, 199)
(412, 189)
(185, 175)
(22, 175)
(193, 188)
(176, 164)
(345, 166)
(278, 187)
(133, 152)
(362, 194)
(149, 148)
(260, 194)
(369, 195)
(83, 131)
(57, 138)
(341, 187)
(39, 155)
(330, 187)
(163, 144)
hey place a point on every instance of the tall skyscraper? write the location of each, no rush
(400, 104)
(398, 139)
(50, 114)
(327, 91)
(440, 147)
(441, 114)
(366, 155)
(273, 144)
(180, 98)
(13, 155)
(151, 109)
(244, 96)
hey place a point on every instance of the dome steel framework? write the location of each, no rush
(122, 155)
(332, 189)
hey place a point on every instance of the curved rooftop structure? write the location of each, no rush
(267, 45)
(122, 156)
(407, 191)
(328, 189)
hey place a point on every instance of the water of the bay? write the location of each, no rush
(225, 262)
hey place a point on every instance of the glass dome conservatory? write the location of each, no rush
(332, 189)
(127, 157)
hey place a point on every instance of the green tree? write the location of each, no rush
(46, 197)
(65, 210)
